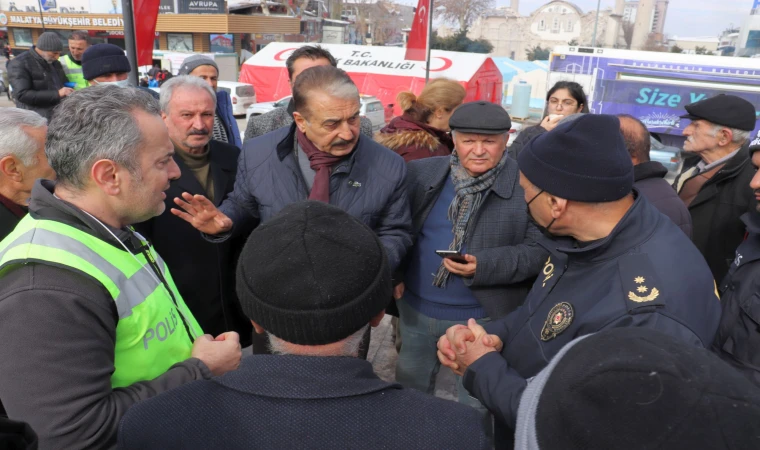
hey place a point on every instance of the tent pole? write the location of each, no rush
(428, 43)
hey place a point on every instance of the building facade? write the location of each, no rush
(182, 25)
(558, 22)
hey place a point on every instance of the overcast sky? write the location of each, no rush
(684, 18)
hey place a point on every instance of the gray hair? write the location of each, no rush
(180, 82)
(328, 79)
(13, 139)
(350, 347)
(93, 124)
(738, 136)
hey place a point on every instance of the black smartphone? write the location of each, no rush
(452, 255)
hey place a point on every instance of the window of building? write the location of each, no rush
(555, 25)
(541, 25)
(23, 37)
(570, 25)
(179, 42)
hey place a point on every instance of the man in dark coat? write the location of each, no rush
(37, 77)
(204, 272)
(738, 338)
(22, 161)
(714, 182)
(615, 261)
(649, 176)
(320, 157)
(480, 182)
(312, 280)
(301, 59)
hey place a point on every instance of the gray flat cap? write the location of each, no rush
(480, 117)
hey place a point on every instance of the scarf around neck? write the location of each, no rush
(320, 162)
(465, 205)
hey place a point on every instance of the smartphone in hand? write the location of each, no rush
(452, 255)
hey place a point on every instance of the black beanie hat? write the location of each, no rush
(101, 59)
(313, 274)
(584, 160)
(636, 388)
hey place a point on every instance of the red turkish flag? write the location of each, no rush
(416, 45)
(146, 14)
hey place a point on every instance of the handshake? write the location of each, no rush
(463, 345)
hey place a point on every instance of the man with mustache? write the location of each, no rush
(738, 338)
(714, 182)
(321, 156)
(208, 167)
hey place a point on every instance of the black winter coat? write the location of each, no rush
(523, 138)
(738, 338)
(35, 82)
(717, 229)
(648, 178)
(203, 272)
(646, 274)
(300, 402)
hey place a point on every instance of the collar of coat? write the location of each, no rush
(304, 377)
(285, 147)
(636, 227)
(732, 167)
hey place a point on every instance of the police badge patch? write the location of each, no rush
(560, 317)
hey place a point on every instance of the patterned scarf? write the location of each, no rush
(466, 203)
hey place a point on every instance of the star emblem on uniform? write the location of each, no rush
(642, 289)
(639, 280)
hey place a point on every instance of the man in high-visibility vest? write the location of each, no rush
(79, 41)
(72, 63)
(91, 321)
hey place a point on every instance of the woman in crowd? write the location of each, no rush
(423, 129)
(563, 99)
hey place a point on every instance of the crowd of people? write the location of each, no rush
(581, 301)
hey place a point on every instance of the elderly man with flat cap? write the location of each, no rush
(714, 183)
(614, 261)
(470, 205)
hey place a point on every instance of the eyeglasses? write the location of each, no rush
(567, 102)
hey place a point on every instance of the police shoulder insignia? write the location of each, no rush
(640, 284)
(560, 317)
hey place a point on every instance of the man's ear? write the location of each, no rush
(558, 205)
(300, 121)
(106, 175)
(11, 168)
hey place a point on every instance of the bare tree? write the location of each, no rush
(628, 34)
(462, 12)
(652, 45)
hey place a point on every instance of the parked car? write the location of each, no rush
(258, 109)
(670, 157)
(371, 108)
(243, 95)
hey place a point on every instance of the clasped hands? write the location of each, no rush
(463, 345)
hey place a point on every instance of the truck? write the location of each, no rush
(652, 86)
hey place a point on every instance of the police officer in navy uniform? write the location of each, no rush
(615, 261)
(738, 338)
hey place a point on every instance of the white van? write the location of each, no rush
(372, 108)
(243, 95)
